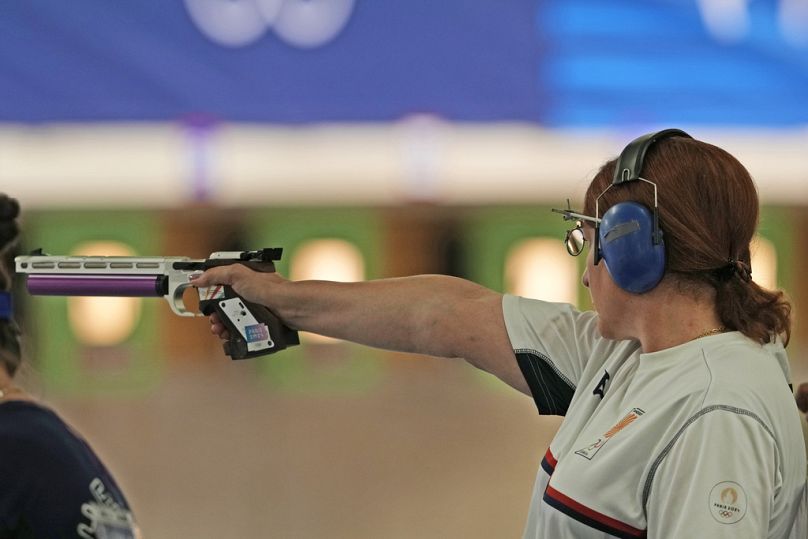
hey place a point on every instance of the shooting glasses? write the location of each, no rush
(575, 239)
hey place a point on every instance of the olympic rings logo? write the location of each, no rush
(727, 502)
(301, 23)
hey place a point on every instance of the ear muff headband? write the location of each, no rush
(629, 165)
(628, 238)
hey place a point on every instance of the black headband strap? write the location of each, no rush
(629, 165)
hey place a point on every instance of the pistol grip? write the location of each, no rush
(253, 329)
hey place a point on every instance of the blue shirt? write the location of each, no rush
(52, 484)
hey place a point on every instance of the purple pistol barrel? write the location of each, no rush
(96, 285)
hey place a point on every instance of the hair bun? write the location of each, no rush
(9, 207)
(9, 210)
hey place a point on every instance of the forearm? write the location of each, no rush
(422, 314)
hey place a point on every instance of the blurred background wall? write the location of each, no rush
(369, 138)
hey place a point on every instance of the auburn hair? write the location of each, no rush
(708, 213)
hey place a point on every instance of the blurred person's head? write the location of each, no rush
(10, 356)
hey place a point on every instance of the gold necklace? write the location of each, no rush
(709, 332)
(5, 391)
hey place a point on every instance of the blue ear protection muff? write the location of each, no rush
(628, 237)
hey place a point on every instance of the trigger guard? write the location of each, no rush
(178, 305)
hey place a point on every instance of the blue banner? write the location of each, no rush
(674, 62)
(149, 59)
(551, 62)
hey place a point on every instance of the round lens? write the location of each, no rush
(575, 241)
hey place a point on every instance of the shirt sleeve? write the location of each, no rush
(554, 343)
(717, 480)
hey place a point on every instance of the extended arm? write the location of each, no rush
(428, 314)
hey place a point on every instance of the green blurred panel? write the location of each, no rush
(778, 225)
(64, 363)
(315, 368)
(491, 233)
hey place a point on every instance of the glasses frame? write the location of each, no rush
(579, 218)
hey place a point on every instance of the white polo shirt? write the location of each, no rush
(699, 440)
